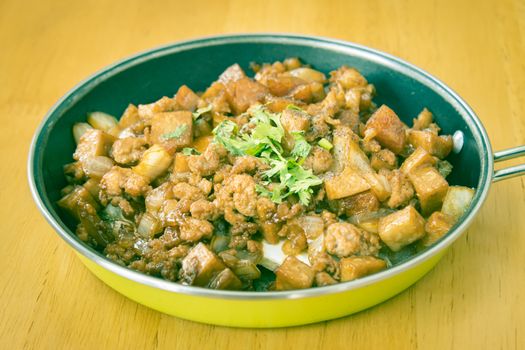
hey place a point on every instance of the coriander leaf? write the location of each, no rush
(263, 190)
(175, 134)
(262, 137)
(444, 167)
(294, 107)
(201, 111)
(187, 151)
(301, 148)
(327, 145)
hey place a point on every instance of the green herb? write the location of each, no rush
(187, 151)
(175, 134)
(294, 108)
(327, 145)
(444, 168)
(262, 138)
(201, 111)
(301, 147)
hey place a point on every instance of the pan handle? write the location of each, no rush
(513, 171)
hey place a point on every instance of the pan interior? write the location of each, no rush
(149, 76)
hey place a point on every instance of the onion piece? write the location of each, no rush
(102, 121)
(79, 129)
(149, 226)
(95, 167)
(155, 161)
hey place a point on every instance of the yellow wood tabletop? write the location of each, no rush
(474, 299)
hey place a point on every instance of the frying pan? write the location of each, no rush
(159, 72)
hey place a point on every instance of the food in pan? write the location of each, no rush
(287, 180)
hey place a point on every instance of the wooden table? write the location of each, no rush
(475, 298)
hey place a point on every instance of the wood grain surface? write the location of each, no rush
(474, 299)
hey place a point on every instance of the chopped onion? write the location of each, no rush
(102, 121)
(246, 270)
(155, 161)
(312, 225)
(149, 226)
(79, 129)
(97, 166)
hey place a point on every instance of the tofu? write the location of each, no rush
(419, 158)
(186, 98)
(438, 224)
(347, 153)
(93, 143)
(200, 266)
(456, 202)
(232, 73)
(431, 188)
(293, 120)
(439, 146)
(384, 159)
(423, 120)
(401, 228)
(166, 123)
(129, 117)
(293, 274)
(346, 184)
(180, 165)
(201, 143)
(324, 279)
(389, 130)
(360, 203)
(245, 92)
(359, 266)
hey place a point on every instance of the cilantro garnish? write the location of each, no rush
(175, 134)
(262, 138)
(327, 145)
(187, 151)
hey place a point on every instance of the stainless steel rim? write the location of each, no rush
(390, 61)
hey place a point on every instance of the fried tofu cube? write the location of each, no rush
(293, 274)
(200, 266)
(439, 146)
(457, 201)
(226, 280)
(423, 120)
(431, 188)
(172, 130)
(324, 279)
(359, 266)
(245, 92)
(360, 203)
(345, 184)
(401, 228)
(384, 159)
(201, 143)
(347, 153)
(93, 143)
(438, 224)
(389, 130)
(293, 120)
(419, 158)
(232, 73)
(186, 98)
(180, 165)
(129, 117)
